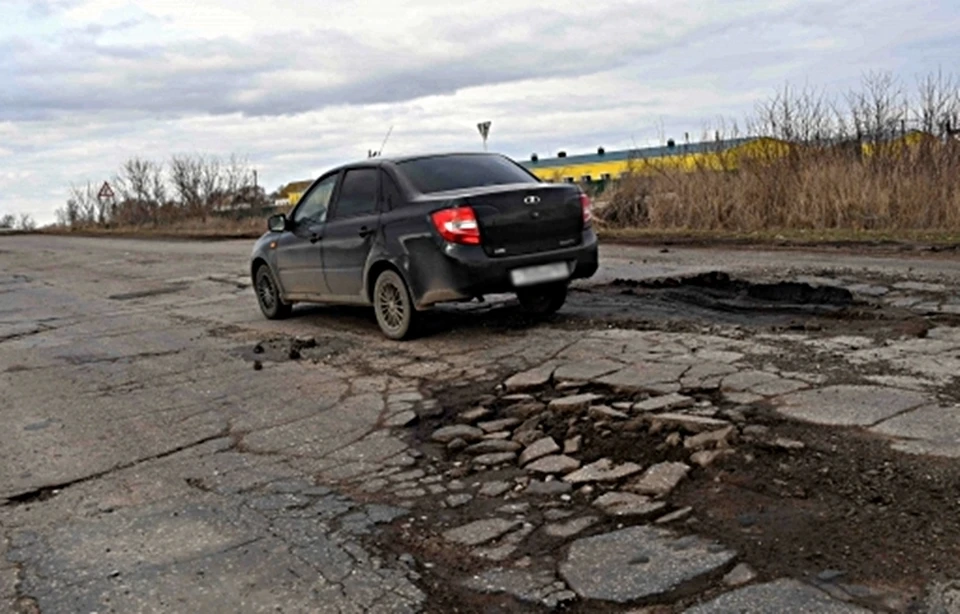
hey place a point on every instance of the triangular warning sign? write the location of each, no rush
(106, 191)
(484, 128)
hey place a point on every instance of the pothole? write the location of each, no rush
(791, 500)
(280, 349)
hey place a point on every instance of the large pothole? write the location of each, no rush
(516, 487)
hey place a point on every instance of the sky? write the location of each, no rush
(298, 87)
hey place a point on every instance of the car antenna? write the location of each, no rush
(380, 152)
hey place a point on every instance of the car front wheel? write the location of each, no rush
(543, 300)
(268, 295)
(392, 304)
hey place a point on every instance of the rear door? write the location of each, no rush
(299, 254)
(350, 231)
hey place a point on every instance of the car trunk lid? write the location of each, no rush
(528, 218)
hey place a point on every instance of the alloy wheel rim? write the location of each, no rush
(265, 291)
(390, 306)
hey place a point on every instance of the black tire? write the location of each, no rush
(268, 295)
(393, 306)
(543, 300)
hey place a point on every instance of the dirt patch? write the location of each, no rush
(847, 502)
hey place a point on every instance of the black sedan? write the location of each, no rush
(403, 234)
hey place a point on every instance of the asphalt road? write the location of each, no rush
(147, 466)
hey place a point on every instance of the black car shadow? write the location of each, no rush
(498, 315)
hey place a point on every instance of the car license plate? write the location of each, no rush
(539, 274)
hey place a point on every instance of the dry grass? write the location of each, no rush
(815, 189)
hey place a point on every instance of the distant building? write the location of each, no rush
(603, 166)
(292, 192)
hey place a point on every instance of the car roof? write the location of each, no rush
(407, 158)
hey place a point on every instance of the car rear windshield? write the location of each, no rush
(444, 173)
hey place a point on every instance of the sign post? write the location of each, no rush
(106, 197)
(484, 128)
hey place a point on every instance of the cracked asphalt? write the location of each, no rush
(165, 449)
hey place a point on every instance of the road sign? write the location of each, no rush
(106, 192)
(484, 128)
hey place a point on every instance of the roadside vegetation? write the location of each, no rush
(24, 223)
(876, 163)
(187, 195)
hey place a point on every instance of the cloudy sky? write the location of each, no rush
(298, 86)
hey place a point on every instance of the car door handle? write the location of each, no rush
(366, 232)
(314, 238)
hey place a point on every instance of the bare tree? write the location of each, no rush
(805, 115)
(186, 177)
(142, 188)
(83, 207)
(158, 186)
(879, 109)
(133, 182)
(237, 175)
(69, 213)
(211, 185)
(938, 102)
(26, 222)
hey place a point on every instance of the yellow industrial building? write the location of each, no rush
(604, 166)
(719, 155)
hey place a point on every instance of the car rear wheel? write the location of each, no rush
(268, 295)
(392, 304)
(543, 300)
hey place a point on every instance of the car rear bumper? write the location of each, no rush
(458, 272)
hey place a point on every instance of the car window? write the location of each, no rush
(456, 172)
(392, 196)
(358, 194)
(315, 203)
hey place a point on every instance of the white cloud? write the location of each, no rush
(298, 87)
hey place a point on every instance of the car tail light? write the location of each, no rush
(457, 225)
(587, 208)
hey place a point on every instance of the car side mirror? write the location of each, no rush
(277, 223)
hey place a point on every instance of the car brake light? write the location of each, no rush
(587, 208)
(457, 225)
